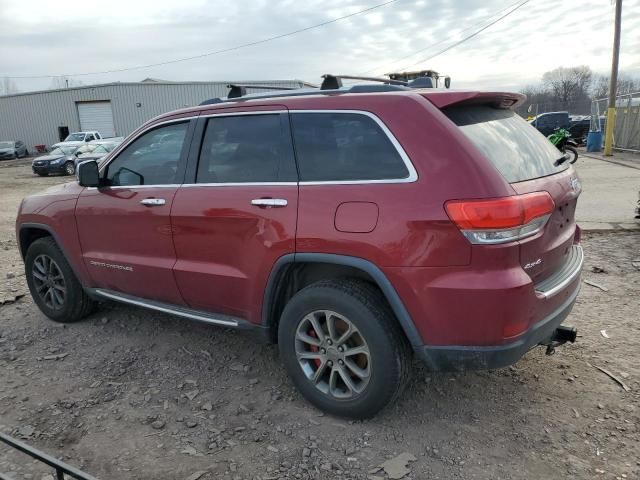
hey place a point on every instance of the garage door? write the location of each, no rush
(97, 116)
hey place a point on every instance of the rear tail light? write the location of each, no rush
(501, 220)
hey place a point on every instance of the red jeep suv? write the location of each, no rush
(353, 226)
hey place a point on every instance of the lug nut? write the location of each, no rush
(341, 362)
(323, 351)
(330, 363)
(329, 342)
(340, 349)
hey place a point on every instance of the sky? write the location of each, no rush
(40, 37)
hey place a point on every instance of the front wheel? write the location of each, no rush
(343, 348)
(573, 154)
(69, 168)
(52, 283)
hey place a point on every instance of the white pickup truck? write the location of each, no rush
(78, 138)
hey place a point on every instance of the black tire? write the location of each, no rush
(42, 174)
(15, 154)
(389, 355)
(26, 153)
(573, 153)
(69, 168)
(76, 303)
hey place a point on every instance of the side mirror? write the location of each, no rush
(447, 82)
(88, 175)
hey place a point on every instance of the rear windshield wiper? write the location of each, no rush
(561, 160)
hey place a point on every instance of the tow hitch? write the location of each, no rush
(560, 336)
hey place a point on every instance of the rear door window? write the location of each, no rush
(514, 147)
(247, 149)
(344, 147)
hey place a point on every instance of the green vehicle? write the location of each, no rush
(562, 140)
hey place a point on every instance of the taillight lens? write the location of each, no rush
(501, 220)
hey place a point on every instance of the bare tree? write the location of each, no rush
(626, 85)
(8, 86)
(64, 82)
(569, 85)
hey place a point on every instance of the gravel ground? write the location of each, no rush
(129, 394)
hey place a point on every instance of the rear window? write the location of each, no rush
(514, 147)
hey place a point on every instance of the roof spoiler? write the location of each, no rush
(444, 99)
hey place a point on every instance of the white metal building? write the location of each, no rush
(114, 109)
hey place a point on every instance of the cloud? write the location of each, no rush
(542, 35)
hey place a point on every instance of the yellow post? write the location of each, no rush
(608, 134)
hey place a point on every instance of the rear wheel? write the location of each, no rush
(53, 285)
(343, 348)
(573, 154)
(69, 168)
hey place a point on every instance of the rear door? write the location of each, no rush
(236, 215)
(530, 163)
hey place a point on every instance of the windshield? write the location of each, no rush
(85, 149)
(514, 147)
(62, 151)
(75, 137)
(6, 144)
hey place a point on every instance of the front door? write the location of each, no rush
(125, 226)
(237, 215)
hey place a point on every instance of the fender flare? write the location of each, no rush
(50, 231)
(381, 280)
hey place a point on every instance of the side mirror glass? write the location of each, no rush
(88, 175)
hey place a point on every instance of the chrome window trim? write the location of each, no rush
(121, 147)
(413, 174)
(240, 184)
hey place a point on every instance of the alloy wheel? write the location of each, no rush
(69, 168)
(333, 354)
(49, 282)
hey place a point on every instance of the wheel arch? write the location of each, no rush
(30, 232)
(280, 287)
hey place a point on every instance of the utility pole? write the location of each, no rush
(613, 83)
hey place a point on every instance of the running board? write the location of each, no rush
(198, 315)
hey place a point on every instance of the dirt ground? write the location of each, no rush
(129, 394)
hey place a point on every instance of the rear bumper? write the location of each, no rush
(452, 358)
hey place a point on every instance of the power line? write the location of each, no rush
(216, 52)
(468, 37)
(378, 68)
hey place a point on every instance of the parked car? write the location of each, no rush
(59, 160)
(547, 122)
(12, 149)
(94, 150)
(402, 222)
(78, 138)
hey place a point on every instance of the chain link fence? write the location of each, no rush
(626, 134)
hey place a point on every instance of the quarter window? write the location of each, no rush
(246, 149)
(151, 159)
(344, 147)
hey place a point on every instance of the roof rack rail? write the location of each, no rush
(333, 82)
(240, 90)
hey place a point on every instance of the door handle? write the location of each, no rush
(269, 202)
(153, 202)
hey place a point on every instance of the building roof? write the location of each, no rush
(150, 82)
